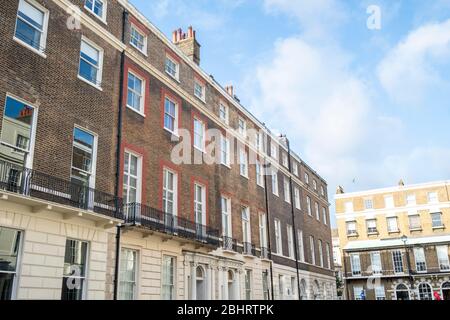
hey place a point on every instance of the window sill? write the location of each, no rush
(353, 235)
(226, 165)
(102, 19)
(246, 177)
(135, 111)
(200, 99)
(375, 233)
(139, 50)
(174, 134)
(174, 78)
(415, 229)
(439, 228)
(199, 149)
(26, 45)
(90, 83)
(260, 185)
(394, 232)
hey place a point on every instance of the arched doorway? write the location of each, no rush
(303, 295)
(231, 283)
(425, 292)
(316, 290)
(402, 292)
(445, 290)
(201, 283)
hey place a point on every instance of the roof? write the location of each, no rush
(397, 242)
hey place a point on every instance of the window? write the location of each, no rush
(297, 198)
(83, 158)
(265, 285)
(306, 178)
(442, 253)
(320, 248)
(281, 286)
(248, 285)
(322, 191)
(411, 200)
(31, 25)
(199, 134)
(368, 204)
(225, 151)
(419, 257)
(17, 134)
(371, 226)
(10, 240)
(351, 228)
(389, 202)
(355, 264)
(74, 272)
(414, 222)
(275, 183)
(128, 274)
(380, 294)
(246, 231)
(223, 113)
(328, 256)
(168, 278)
(315, 185)
(199, 205)
(135, 93)
(295, 168)
(138, 39)
(358, 293)
(308, 205)
(170, 191)
(301, 248)
(375, 258)
(290, 239)
(259, 174)
(263, 230)
(226, 217)
(97, 7)
(313, 250)
(392, 224)
(285, 159)
(172, 68)
(199, 90)
(293, 285)
(425, 292)
(278, 243)
(170, 115)
(242, 127)
(316, 210)
(243, 163)
(132, 178)
(436, 219)
(274, 150)
(91, 61)
(325, 216)
(433, 197)
(398, 261)
(287, 191)
(348, 207)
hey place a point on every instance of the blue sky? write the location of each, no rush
(363, 107)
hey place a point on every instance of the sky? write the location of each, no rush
(364, 106)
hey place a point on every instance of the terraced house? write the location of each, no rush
(128, 172)
(395, 242)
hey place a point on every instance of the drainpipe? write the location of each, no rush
(291, 187)
(118, 151)
(268, 231)
(347, 292)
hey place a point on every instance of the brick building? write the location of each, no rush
(126, 171)
(395, 242)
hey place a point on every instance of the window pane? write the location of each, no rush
(6, 285)
(9, 249)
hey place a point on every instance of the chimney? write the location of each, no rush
(187, 43)
(401, 183)
(230, 90)
(340, 190)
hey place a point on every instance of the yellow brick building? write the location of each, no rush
(397, 238)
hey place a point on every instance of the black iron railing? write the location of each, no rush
(229, 244)
(32, 183)
(157, 220)
(264, 253)
(249, 249)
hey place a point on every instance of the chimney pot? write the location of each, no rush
(190, 32)
(174, 37)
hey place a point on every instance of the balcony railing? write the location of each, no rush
(249, 249)
(229, 244)
(32, 183)
(264, 253)
(159, 221)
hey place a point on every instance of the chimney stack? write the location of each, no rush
(230, 90)
(187, 43)
(340, 190)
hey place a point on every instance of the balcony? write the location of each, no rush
(156, 220)
(264, 253)
(31, 184)
(249, 249)
(229, 244)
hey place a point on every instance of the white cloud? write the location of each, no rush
(411, 68)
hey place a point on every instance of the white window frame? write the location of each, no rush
(443, 259)
(225, 151)
(176, 76)
(86, 276)
(174, 284)
(306, 178)
(273, 150)
(328, 255)
(104, 11)
(377, 264)
(368, 204)
(274, 179)
(92, 174)
(226, 217)
(136, 272)
(301, 246)
(44, 31)
(202, 204)
(144, 36)
(317, 210)
(225, 115)
(312, 247)
(138, 177)
(297, 198)
(290, 240)
(176, 118)
(348, 206)
(263, 230)
(351, 231)
(287, 190)
(436, 214)
(420, 260)
(242, 127)
(325, 216)
(355, 264)
(201, 135)
(278, 237)
(246, 226)
(397, 254)
(433, 197)
(357, 290)
(380, 293)
(243, 163)
(16, 273)
(167, 191)
(259, 174)
(142, 96)
(284, 160)
(370, 228)
(411, 199)
(412, 226)
(308, 205)
(98, 82)
(315, 184)
(389, 202)
(389, 224)
(295, 168)
(202, 86)
(320, 247)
